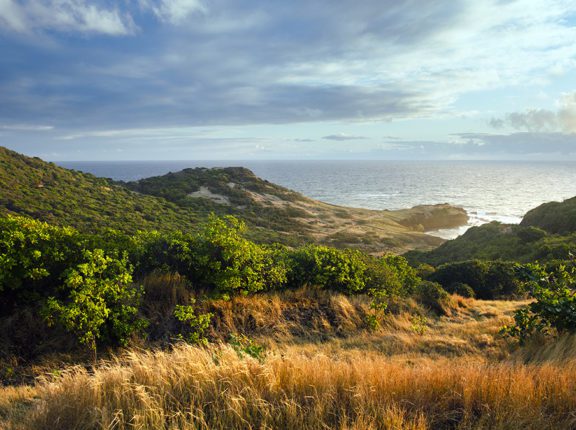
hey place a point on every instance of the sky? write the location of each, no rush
(299, 79)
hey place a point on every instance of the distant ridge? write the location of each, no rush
(179, 201)
(546, 233)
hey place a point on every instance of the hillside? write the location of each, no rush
(44, 191)
(270, 207)
(310, 364)
(495, 241)
(554, 217)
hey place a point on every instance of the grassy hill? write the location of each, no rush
(30, 186)
(270, 207)
(453, 372)
(554, 217)
(496, 241)
(177, 201)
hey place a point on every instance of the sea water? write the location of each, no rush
(489, 190)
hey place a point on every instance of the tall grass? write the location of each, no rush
(192, 388)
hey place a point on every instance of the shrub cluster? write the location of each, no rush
(482, 279)
(89, 284)
(553, 310)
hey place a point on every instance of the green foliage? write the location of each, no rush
(462, 289)
(554, 217)
(495, 241)
(378, 307)
(425, 270)
(227, 262)
(372, 320)
(97, 300)
(402, 279)
(44, 191)
(243, 345)
(488, 280)
(33, 253)
(554, 307)
(218, 258)
(330, 268)
(194, 325)
(419, 324)
(83, 282)
(388, 278)
(433, 296)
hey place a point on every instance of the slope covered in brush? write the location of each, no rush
(554, 217)
(238, 191)
(30, 186)
(496, 241)
(176, 201)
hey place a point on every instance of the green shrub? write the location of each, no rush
(330, 268)
(193, 326)
(218, 258)
(227, 262)
(97, 300)
(33, 256)
(554, 308)
(419, 324)
(462, 289)
(243, 345)
(433, 296)
(488, 280)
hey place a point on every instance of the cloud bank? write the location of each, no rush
(90, 67)
(561, 120)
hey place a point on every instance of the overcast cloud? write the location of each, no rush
(75, 74)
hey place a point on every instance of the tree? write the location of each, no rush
(97, 300)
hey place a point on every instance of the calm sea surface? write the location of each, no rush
(501, 191)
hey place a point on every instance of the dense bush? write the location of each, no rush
(554, 217)
(218, 258)
(33, 256)
(495, 241)
(193, 325)
(54, 269)
(226, 261)
(97, 300)
(88, 284)
(84, 283)
(433, 296)
(554, 308)
(488, 280)
(463, 290)
(341, 270)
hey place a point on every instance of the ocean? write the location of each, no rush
(489, 190)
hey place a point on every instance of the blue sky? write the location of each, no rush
(305, 79)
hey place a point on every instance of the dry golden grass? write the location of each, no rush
(323, 371)
(15, 402)
(191, 388)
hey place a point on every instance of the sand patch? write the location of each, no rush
(205, 193)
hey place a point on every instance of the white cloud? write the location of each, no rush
(543, 120)
(11, 16)
(265, 62)
(63, 15)
(343, 137)
(25, 127)
(447, 49)
(174, 11)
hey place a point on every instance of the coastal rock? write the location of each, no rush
(434, 217)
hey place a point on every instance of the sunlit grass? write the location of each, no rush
(214, 388)
(456, 372)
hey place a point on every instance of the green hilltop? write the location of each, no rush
(179, 201)
(554, 217)
(546, 233)
(45, 191)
